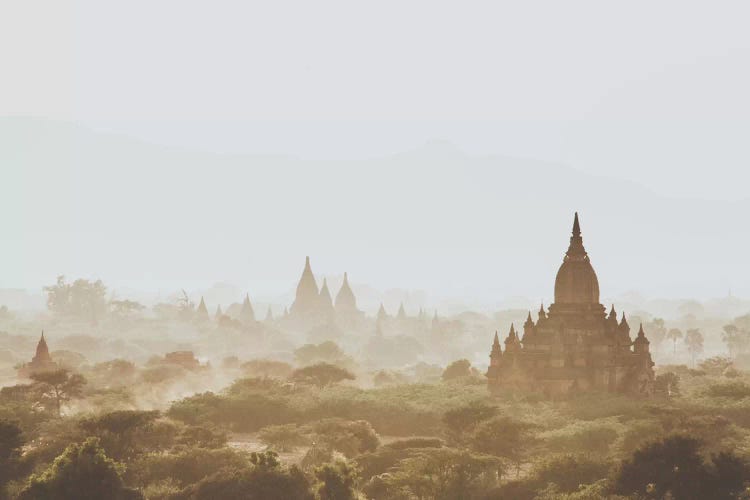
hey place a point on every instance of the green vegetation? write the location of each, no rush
(319, 422)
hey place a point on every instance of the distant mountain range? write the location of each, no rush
(143, 216)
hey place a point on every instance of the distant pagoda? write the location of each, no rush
(41, 362)
(347, 313)
(313, 307)
(247, 314)
(307, 299)
(576, 346)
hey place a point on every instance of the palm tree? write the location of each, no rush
(694, 341)
(737, 340)
(674, 334)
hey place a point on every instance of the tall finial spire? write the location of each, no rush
(576, 250)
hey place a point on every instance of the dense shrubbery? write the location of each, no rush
(457, 441)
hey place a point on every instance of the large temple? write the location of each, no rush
(575, 345)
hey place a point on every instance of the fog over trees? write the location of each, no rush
(317, 250)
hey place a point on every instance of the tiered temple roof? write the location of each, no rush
(575, 346)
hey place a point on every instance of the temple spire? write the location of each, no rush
(381, 313)
(496, 352)
(247, 314)
(325, 295)
(346, 302)
(576, 250)
(202, 310)
(624, 323)
(542, 314)
(305, 305)
(325, 302)
(641, 342)
(512, 343)
(401, 312)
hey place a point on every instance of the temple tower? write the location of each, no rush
(346, 302)
(325, 304)
(306, 300)
(401, 312)
(201, 313)
(247, 314)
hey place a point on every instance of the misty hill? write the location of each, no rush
(435, 218)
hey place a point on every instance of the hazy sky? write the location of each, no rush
(653, 92)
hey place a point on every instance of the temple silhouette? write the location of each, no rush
(41, 362)
(575, 345)
(313, 306)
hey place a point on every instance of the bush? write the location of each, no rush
(675, 467)
(568, 472)
(348, 437)
(283, 437)
(82, 472)
(267, 368)
(184, 466)
(581, 438)
(322, 374)
(457, 369)
(730, 390)
(268, 481)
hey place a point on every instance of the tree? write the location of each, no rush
(11, 441)
(265, 480)
(504, 437)
(694, 341)
(115, 372)
(285, 437)
(457, 369)
(674, 468)
(267, 368)
(442, 474)
(674, 334)
(82, 298)
(185, 306)
(350, 437)
(123, 433)
(463, 420)
(568, 472)
(322, 374)
(337, 482)
(125, 308)
(656, 331)
(737, 340)
(81, 472)
(716, 365)
(667, 384)
(328, 352)
(58, 386)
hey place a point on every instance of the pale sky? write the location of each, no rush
(651, 92)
